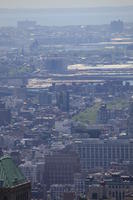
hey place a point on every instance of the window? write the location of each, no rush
(109, 193)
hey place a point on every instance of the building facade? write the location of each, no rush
(96, 154)
(60, 168)
(113, 187)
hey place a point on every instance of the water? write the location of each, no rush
(59, 18)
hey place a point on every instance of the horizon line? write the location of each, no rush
(74, 7)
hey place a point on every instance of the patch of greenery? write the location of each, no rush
(118, 104)
(90, 114)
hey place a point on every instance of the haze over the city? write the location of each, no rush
(61, 3)
(66, 99)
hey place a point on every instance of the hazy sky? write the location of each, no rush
(61, 3)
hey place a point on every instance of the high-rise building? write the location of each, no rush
(96, 154)
(56, 65)
(62, 99)
(117, 26)
(13, 185)
(103, 114)
(5, 115)
(30, 171)
(61, 167)
(130, 120)
(45, 98)
(16, 156)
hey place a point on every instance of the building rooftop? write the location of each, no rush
(10, 175)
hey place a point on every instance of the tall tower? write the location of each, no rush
(62, 99)
(130, 120)
(103, 114)
(5, 115)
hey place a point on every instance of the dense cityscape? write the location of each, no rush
(66, 112)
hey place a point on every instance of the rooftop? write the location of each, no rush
(10, 175)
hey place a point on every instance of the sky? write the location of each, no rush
(62, 3)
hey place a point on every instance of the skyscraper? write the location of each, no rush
(130, 120)
(117, 26)
(61, 167)
(103, 114)
(62, 99)
(5, 115)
